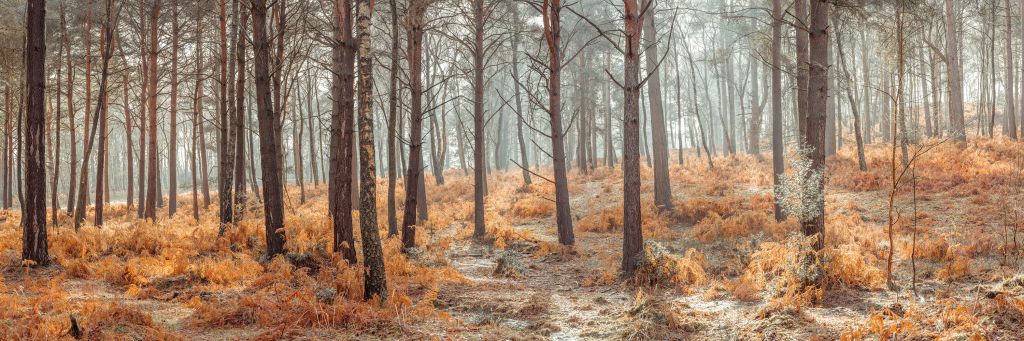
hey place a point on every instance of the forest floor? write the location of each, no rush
(717, 266)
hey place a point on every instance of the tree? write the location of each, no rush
(98, 114)
(414, 26)
(551, 17)
(340, 181)
(392, 121)
(270, 133)
(226, 139)
(153, 181)
(632, 230)
(1011, 112)
(172, 136)
(33, 221)
(375, 283)
(778, 165)
(817, 82)
(659, 139)
(953, 80)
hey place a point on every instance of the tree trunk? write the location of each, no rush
(814, 135)
(226, 137)
(270, 134)
(953, 79)
(172, 137)
(414, 26)
(153, 182)
(340, 182)
(375, 283)
(802, 76)
(778, 166)
(33, 221)
(632, 239)
(392, 121)
(659, 139)
(241, 116)
(861, 162)
(552, 35)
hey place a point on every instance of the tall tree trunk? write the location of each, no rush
(659, 139)
(33, 219)
(861, 162)
(632, 239)
(814, 135)
(552, 35)
(340, 182)
(778, 166)
(101, 104)
(392, 121)
(56, 121)
(270, 134)
(241, 116)
(802, 59)
(953, 79)
(375, 283)
(153, 182)
(226, 137)
(172, 137)
(414, 26)
(479, 151)
(517, 92)
(197, 122)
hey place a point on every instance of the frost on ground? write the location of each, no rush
(716, 266)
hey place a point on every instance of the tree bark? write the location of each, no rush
(414, 26)
(551, 16)
(375, 283)
(33, 221)
(152, 183)
(778, 166)
(817, 103)
(659, 139)
(226, 137)
(270, 134)
(953, 79)
(340, 181)
(632, 239)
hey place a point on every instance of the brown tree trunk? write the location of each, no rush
(659, 139)
(56, 121)
(632, 238)
(854, 107)
(241, 116)
(414, 26)
(551, 16)
(226, 137)
(1011, 112)
(340, 182)
(197, 119)
(153, 182)
(392, 121)
(172, 137)
(800, 26)
(33, 220)
(270, 134)
(778, 166)
(817, 102)
(101, 103)
(953, 79)
(374, 284)
(479, 151)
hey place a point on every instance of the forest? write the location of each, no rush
(511, 169)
